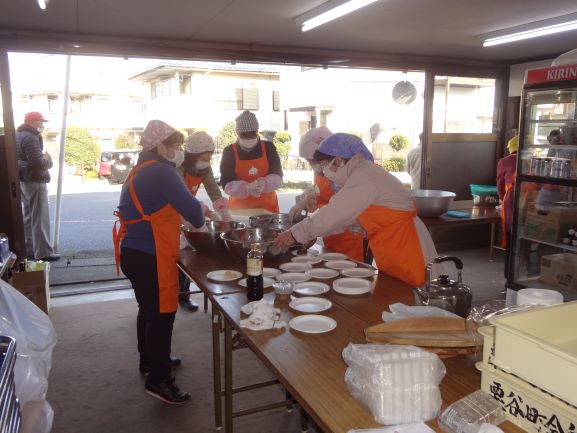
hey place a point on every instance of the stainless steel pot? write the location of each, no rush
(442, 292)
(210, 240)
(432, 203)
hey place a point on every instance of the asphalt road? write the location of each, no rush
(87, 217)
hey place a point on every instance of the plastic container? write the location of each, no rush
(540, 346)
(398, 384)
(526, 406)
(467, 414)
(484, 195)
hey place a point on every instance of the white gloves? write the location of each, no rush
(256, 188)
(306, 201)
(296, 210)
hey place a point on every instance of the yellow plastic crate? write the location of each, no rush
(526, 406)
(540, 347)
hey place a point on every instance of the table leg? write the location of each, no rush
(216, 374)
(491, 248)
(227, 377)
(205, 303)
(304, 421)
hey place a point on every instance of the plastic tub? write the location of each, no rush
(540, 346)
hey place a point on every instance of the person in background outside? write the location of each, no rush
(196, 170)
(318, 195)
(33, 166)
(399, 240)
(414, 159)
(250, 168)
(152, 201)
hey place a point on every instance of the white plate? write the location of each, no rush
(295, 267)
(310, 304)
(340, 264)
(322, 273)
(312, 260)
(311, 288)
(294, 277)
(224, 275)
(358, 272)
(270, 272)
(266, 282)
(333, 256)
(312, 323)
(352, 286)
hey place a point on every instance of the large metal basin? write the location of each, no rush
(274, 220)
(210, 241)
(238, 242)
(432, 203)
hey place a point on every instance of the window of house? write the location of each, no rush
(160, 88)
(184, 84)
(463, 105)
(247, 98)
(76, 104)
(52, 103)
(275, 100)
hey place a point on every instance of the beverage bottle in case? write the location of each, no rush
(254, 280)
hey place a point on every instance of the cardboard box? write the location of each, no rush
(35, 286)
(552, 226)
(560, 270)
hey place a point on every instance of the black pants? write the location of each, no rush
(153, 328)
(184, 284)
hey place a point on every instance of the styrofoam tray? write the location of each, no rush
(540, 346)
(524, 405)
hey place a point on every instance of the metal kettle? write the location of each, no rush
(442, 292)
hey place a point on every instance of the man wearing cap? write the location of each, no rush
(196, 170)
(399, 240)
(152, 201)
(33, 166)
(250, 168)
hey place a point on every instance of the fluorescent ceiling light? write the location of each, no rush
(329, 11)
(535, 32)
(42, 4)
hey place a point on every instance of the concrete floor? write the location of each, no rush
(94, 384)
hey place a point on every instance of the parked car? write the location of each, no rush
(116, 164)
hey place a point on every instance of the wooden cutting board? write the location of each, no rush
(427, 332)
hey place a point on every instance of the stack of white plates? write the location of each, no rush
(295, 267)
(352, 286)
(340, 264)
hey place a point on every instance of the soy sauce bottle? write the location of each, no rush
(254, 281)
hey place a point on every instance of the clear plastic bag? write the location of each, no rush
(468, 414)
(398, 384)
(400, 311)
(35, 339)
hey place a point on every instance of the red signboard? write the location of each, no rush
(554, 73)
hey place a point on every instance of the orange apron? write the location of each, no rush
(346, 242)
(165, 224)
(394, 241)
(509, 188)
(192, 183)
(250, 170)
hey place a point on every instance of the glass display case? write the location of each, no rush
(544, 234)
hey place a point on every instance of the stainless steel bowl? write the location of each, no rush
(275, 220)
(210, 241)
(432, 203)
(239, 241)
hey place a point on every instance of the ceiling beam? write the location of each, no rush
(84, 44)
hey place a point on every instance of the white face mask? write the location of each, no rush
(178, 157)
(40, 130)
(202, 165)
(247, 143)
(337, 177)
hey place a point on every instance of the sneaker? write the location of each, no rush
(189, 305)
(167, 391)
(145, 369)
(51, 258)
